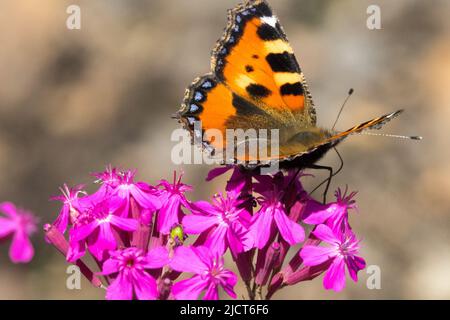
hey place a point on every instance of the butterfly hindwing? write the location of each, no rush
(215, 107)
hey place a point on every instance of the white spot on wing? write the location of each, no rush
(271, 21)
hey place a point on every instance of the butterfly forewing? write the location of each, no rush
(255, 60)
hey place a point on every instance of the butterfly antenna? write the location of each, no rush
(350, 92)
(391, 135)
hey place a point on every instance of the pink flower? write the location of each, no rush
(21, 225)
(70, 202)
(225, 221)
(238, 177)
(110, 178)
(334, 215)
(273, 213)
(94, 227)
(209, 271)
(144, 195)
(341, 250)
(172, 198)
(131, 278)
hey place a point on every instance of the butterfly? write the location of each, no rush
(256, 83)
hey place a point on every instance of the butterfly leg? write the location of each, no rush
(328, 180)
(294, 177)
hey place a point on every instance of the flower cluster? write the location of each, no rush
(137, 234)
(19, 225)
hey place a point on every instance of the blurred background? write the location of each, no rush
(73, 101)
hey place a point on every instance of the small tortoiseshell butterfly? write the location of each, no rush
(256, 83)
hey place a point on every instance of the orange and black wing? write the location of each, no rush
(255, 80)
(255, 60)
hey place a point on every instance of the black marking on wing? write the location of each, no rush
(283, 62)
(244, 107)
(258, 91)
(263, 9)
(295, 89)
(268, 33)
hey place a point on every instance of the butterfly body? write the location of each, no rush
(256, 83)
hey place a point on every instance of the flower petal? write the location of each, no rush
(7, 226)
(21, 250)
(120, 289)
(157, 258)
(124, 223)
(8, 208)
(205, 255)
(216, 240)
(261, 227)
(103, 242)
(145, 287)
(186, 260)
(145, 199)
(290, 230)
(317, 213)
(63, 219)
(203, 207)
(324, 233)
(195, 224)
(354, 264)
(168, 214)
(315, 255)
(77, 249)
(228, 283)
(110, 266)
(212, 292)
(189, 289)
(235, 239)
(335, 276)
(80, 233)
